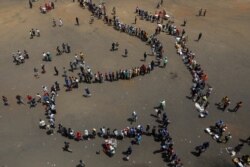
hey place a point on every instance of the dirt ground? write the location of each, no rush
(223, 52)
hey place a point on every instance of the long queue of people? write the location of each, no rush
(157, 17)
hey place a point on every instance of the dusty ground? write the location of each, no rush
(223, 53)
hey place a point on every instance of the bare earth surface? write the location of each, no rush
(223, 53)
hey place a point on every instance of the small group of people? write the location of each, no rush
(34, 33)
(202, 12)
(217, 131)
(65, 49)
(19, 57)
(225, 101)
(46, 56)
(201, 148)
(54, 23)
(47, 7)
(158, 17)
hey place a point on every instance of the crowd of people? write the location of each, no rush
(199, 93)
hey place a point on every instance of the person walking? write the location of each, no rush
(226, 104)
(77, 21)
(199, 36)
(56, 71)
(238, 105)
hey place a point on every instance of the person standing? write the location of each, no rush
(5, 101)
(134, 116)
(200, 12)
(81, 164)
(87, 92)
(66, 147)
(68, 48)
(165, 61)
(126, 52)
(147, 129)
(60, 22)
(64, 47)
(19, 99)
(238, 105)
(135, 19)
(43, 68)
(37, 33)
(199, 36)
(52, 5)
(36, 73)
(113, 46)
(183, 32)
(145, 56)
(184, 22)
(204, 13)
(227, 137)
(54, 22)
(77, 21)
(56, 71)
(128, 153)
(201, 148)
(30, 4)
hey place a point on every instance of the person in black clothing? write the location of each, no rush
(30, 4)
(66, 147)
(145, 56)
(56, 71)
(199, 36)
(77, 21)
